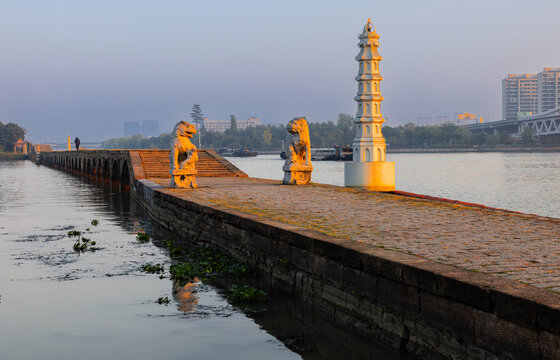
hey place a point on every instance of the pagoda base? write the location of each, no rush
(375, 175)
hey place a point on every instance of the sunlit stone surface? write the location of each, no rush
(183, 157)
(297, 168)
(369, 168)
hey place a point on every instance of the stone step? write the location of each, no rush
(156, 164)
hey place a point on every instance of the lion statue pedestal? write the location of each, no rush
(297, 168)
(183, 157)
(184, 179)
(297, 175)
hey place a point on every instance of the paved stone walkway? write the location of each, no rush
(520, 247)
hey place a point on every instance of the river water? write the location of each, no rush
(58, 304)
(526, 182)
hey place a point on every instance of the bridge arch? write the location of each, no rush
(98, 168)
(106, 171)
(115, 172)
(125, 176)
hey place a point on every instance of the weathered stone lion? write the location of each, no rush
(297, 168)
(183, 156)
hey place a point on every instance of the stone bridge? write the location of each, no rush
(122, 167)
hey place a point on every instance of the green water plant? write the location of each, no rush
(82, 243)
(143, 238)
(244, 294)
(153, 269)
(94, 222)
(173, 250)
(74, 233)
(205, 263)
(163, 300)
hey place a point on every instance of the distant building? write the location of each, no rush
(530, 94)
(150, 128)
(441, 119)
(424, 120)
(519, 96)
(432, 120)
(131, 128)
(223, 125)
(548, 89)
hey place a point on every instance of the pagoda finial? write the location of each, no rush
(368, 27)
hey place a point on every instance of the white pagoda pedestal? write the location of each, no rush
(374, 175)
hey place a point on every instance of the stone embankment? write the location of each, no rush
(430, 277)
(434, 278)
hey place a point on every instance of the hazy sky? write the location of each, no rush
(81, 68)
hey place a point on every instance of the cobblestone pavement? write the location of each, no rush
(517, 246)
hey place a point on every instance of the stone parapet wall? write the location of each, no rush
(134, 164)
(426, 308)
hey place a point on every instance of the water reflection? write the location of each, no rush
(101, 305)
(185, 296)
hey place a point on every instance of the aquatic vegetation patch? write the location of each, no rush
(142, 238)
(74, 233)
(94, 222)
(204, 262)
(163, 300)
(246, 294)
(82, 243)
(153, 269)
(173, 250)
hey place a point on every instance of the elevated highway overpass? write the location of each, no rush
(543, 124)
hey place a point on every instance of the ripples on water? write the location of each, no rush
(56, 304)
(526, 182)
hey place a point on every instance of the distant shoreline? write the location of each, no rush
(421, 149)
(13, 156)
(505, 148)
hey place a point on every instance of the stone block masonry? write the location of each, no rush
(429, 309)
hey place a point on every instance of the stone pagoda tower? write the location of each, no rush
(369, 168)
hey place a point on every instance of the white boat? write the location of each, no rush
(323, 153)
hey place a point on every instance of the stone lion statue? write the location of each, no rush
(183, 156)
(297, 168)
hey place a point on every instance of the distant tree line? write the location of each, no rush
(449, 135)
(9, 134)
(138, 142)
(329, 134)
(262, 137)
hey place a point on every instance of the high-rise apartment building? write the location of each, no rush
(529, 94)
(131, 128)
(548, 89)
(519, 96)
(150, 128)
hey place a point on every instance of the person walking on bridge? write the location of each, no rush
(77, 142)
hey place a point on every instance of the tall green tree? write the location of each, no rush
(527, 136)
(233, 123)
(9, 134)
(267, 136)
(198, 118)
